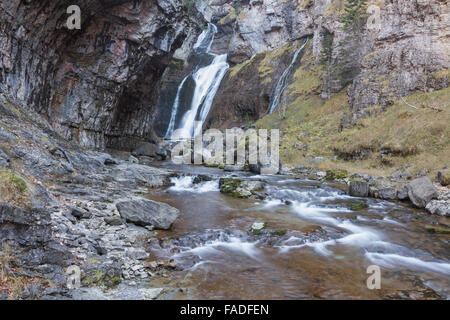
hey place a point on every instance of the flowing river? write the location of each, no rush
(315, 246)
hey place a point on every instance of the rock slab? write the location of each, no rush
(421, 191)
(145, 212)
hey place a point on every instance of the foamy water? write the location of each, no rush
(186, 184)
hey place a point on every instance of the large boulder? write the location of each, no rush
(145, 212)
(421, 191)
(358, 189)
(240, 188)
(146, 149)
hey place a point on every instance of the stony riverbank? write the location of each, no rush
(62, 206)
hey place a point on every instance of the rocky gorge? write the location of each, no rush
(85, 172)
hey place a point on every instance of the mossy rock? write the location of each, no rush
(437, 229)
(201, 178)
(279, 232)
(211, 165)
(444, 177)
(336, 175)
(358, 205)
(229, 185)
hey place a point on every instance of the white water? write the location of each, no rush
(318, 206)
(282, 82)
(186, 184)
(175, 107)
(207, 81)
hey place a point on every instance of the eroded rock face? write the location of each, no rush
(407, 54)
(96, 85)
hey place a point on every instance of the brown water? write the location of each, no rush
(324, 253)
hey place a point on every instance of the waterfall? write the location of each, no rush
(207, 80)
(282, 82)
(175, 107)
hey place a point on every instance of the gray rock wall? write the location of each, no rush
(97, 84)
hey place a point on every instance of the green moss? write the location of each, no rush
(14, 189)
(437, 229)
(19, 182)
(279, 232)
(336, 175)
(229, 17)
(358, 205)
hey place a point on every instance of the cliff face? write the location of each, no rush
(95, 85)
(406, 54)
(109, 85)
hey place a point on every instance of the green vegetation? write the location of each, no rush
(188, 5)
(279, 232)
(14, 189)
(343, 65)
(377, 145)
(229, 186)
(336, 175)
(358, 205)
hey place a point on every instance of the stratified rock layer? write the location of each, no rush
(96, 85)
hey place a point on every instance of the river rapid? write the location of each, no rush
(315, 244)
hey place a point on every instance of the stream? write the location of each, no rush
(314, 246)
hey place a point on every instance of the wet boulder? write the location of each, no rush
(421, 191)
(240, 188)
(385, 192)
(145, 212)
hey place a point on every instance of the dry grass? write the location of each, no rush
(14, 189)
(392, 139)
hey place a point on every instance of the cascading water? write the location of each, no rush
(282, 82)
(207, 80)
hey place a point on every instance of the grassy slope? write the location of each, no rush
(395, 138)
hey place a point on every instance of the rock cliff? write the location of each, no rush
(95, 85)
(404, 52)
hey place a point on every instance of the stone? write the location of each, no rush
(133, 159)
(443, 177)
(441, 208)
(146, 149)
(383, 192)
(421, 191)
(4, 159)
(402, 194)
(332, 175)
(358, 189)
(258, 227)
(151, 294)
(145, 212)
(240, 188)
(113, 220)
(80, 213)
(201, 178)
(232, 168)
